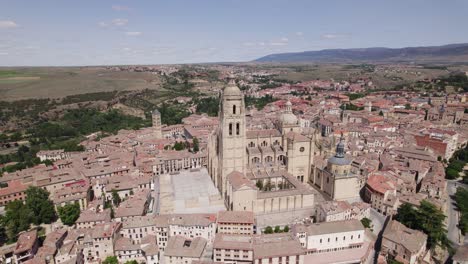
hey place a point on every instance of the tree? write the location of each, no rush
(209, 105)
(179, 146)
(451, 174)
(259, 184)
(461, 197)
(381, 113)
(366, 222)
(111, 260)
(15, 136)
(17, 218)
(286, 229)
(115, 197)
(267, 185)
(428, 219)
(407, 106)
(277, 229)
(196, 145)
(407, 215)
(69, 213)
(42, 208)
(3, 138)
(268, 230)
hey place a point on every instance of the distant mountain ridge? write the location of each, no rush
(445, 53)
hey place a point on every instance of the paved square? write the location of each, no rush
(190, 191)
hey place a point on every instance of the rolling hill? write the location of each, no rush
(447, 53)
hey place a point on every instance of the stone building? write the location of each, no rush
(261, 170)
(336, 179)
(156, 118)
(404, 244)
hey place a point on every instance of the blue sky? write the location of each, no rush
(98, 32)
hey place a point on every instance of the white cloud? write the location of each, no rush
(248, 44)
(133, 33)
(299, 33)
(3, 53)
(284, 39)
(5, 24)
(120, 22)
(120, 8)
(278, 43)
(103, 24)
(332, 36)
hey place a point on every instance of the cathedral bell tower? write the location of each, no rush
(231, 137)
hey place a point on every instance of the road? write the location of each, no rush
(378, 221)
(156, 192)
(453, 232)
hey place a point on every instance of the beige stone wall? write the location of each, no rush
(243, 200)
(298, 164)
(346, 188)
(281, 260)
(233, 255)
(264, 141)
(235, 229)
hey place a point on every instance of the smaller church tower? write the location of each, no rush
(156, 118)
(369, 106)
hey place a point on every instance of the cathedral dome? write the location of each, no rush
(288, 119)
(339, 158)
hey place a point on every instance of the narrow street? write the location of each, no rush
(155, 194)
(453, 232)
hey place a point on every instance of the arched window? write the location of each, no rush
(251, 144)
(234, 109)
(230, 129)
(237, 128)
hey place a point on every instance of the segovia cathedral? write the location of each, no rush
(271, 170)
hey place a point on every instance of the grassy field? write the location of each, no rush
(27, 83)
(386, 79)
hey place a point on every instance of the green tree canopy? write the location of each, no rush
(268, 230)
(209, 105)
(196, 144)
(111, 260)
(69, 213)
(37, 200)
(428, 219)
(179, 146)
(277, 229)
(17, 218)
(115, 197)
(461, 197)
(366, 222)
